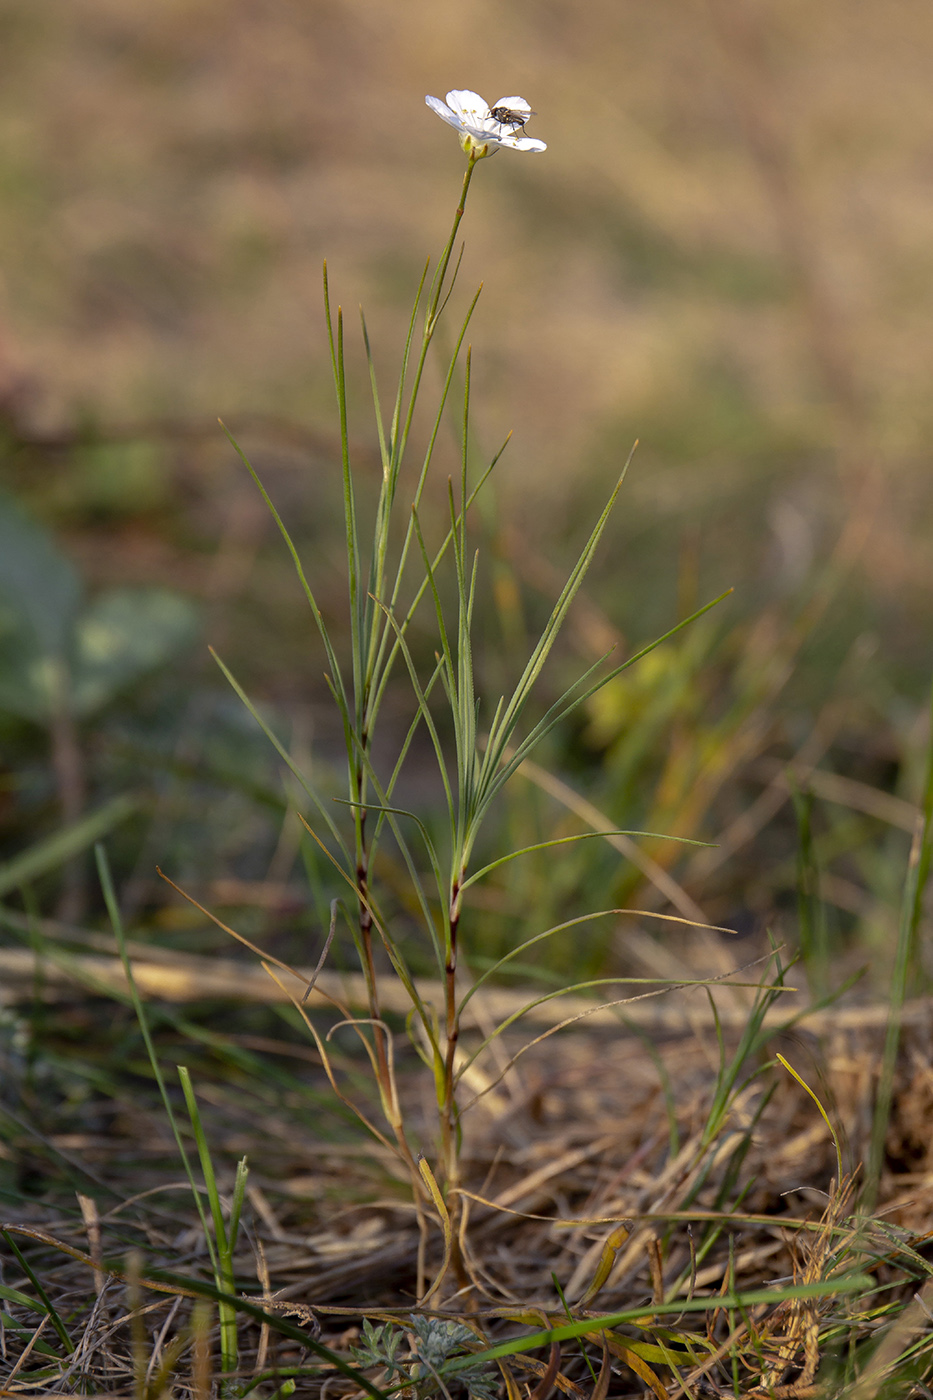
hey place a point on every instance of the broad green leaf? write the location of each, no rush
(39, 588)
(122, 635)
(32, 680)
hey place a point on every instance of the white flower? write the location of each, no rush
(484, 129)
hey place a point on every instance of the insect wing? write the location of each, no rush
(517, 108)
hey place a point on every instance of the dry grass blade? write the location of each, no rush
(91, 1218)
(434, 1192)
(311, 978)
(27, 1352)
(546, 1384)
(914, 1320)
(179, 978)
(201, 1352)
(601, 1388)
(635, 1363)
(610, 1252)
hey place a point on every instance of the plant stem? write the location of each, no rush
(368, 694)
(71, 782)
(437, 285)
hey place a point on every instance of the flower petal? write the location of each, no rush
(443, 111)
(523, 143)
(469, 107)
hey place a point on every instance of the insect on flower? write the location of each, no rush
(507, 115)
(483, 129)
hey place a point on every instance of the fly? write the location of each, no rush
(508, 116)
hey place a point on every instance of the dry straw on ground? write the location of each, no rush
(572, 1173)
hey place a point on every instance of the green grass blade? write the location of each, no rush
(116, 922)
(549, 635)
(747, 1298)
(449, 669)
(349, 500)
(299, 567)
(407, 742)
(44, 1298)
(381, 664)
(223, 1272)
(384, 809)
(570, 701)
(658, 986)
(22, 1300)
(403, 371)
(286, 757)
(276, 1321)
(55, 850)
(374, 389)
(566, 840)
(918, 869)
(236, 1205)
(523, 947)
(384, 667)
(382, 655)
(444, 672)
(373, 622)
(749, 1042)
(207, 1165)
(811, 911)
(419, 371)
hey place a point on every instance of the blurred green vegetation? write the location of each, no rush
(724, 254)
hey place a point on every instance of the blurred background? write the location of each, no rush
(726, 253)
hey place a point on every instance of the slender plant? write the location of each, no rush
(389, 574)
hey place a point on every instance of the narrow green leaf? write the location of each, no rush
(566, 840)
(223, 1240)
(276, 1321)
(56, 850)
(748, 1298)
(285, 756)
(918, 870)
(571, 701)
(13, 1295)
(204, 1154)
(403, 371)
(116, 922)
(236, 1205)
(553, 626)
(444, 671)
(332, 660)
(46, 1301)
